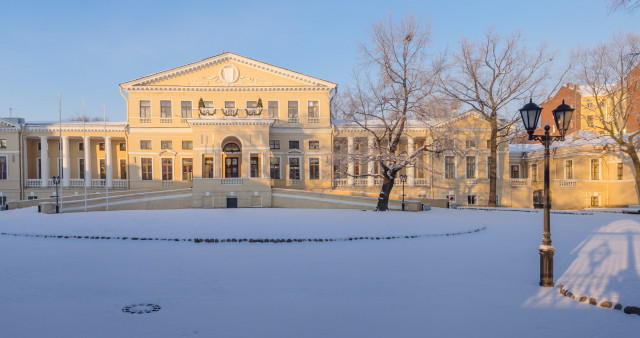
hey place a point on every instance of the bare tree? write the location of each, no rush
(610, 73)
(80, 118)
(489, 75)
(392, 86)
(624, 5)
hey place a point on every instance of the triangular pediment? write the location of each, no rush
(8, 124)
(228, 70)
(469, 120)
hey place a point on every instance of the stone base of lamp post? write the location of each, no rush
(546, 265)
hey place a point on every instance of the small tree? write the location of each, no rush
(624, 5)
(392, 86)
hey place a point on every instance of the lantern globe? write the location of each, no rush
(562, 115)
(530, 114)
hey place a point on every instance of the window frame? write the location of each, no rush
(317, 170)
(147, 110)
(170, 173)
(565, 170)
(277, 109)
(165, 111)
(187, 142)
(279, 168)
(164, 143)
(620, 171)
(150, 145)
(3, 143)
(122, 146)
(534, 178)
(275, 142)
(186, 111)
(511, 166)
(290, 109)
(316, 144)
(297, 142)
(591, 176)
(313, 109)
(142, 169)
(290, 169)
(475, 167)
(455, 167)
(4, 173)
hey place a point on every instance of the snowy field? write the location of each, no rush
(481, 284)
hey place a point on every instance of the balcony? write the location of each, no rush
(568, 184)
(167, 184)
(360, 182)
(421, 182)
(98, 183)
(119, 184)
(231, 181)
(33, 183)
(313, 120)
(76, 183)
(166, 120)
(145, 120)
(340, 182)
(294, 183)
(520, 182)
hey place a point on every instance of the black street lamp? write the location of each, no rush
(403, 179)
(56, 181)
(530, 114)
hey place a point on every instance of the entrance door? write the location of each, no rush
(231, 167)
(232, 202)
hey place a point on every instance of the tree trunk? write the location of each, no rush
(385, 191)
(636, 166)
(493, 162)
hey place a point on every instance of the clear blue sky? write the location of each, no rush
(84, 49)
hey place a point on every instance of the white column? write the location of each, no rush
(371, 181)
(265, 158)
(411, 171)
(107, 164)
(66, 173)
(25, 153)
(44, 160)
(87, 161)
(350, 171)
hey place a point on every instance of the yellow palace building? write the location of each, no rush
(237, 132)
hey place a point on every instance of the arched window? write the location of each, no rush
(231, 147)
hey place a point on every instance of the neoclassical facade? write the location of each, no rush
(233, 128)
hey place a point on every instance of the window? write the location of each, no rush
(254, 166)
(3, 167)
(207, 167)
(101, 146)
(292, 109)
(145, 109)
(103, 169)
(274, 144)
(3, 143)
(252, 104)
(488, 144)
(620, 170)
(167, 169)
(145, 144)
(145, 165)
(229, 104)
(534, 172)
(187, 144)
(489, 167)
(80, 146)
(471, 167)
(470, 143)
(595, 201)
(274, 168)
(166, 144)
(471, 199)
(123, 169)
(186, 109)
(294, 144)
(314, 168)
(314, 144)
(568, 170)
(294, 168)
(208, 108)
(123, 147)
(273, 109)
(39, 146)
(595, 169)
(515, 171)
(590, 104)
(449, 167)
(313, 109)
(165, 109)
(187, 169)
(590, 120)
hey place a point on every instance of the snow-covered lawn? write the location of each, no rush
(482, 284)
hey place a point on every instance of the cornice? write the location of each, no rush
(230, 122)
(226, 89)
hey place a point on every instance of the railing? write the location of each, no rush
(421, 182)
(207, 111)
(294, 183)
(340, 182)
(313, 120)
(119, 184)
(145, 120)
(33, 183)
(568, 183)
(50, 183)
(231, 181)
(360, 182)
(76, 183)
(471, 181)
(230, 111)
(166, 184)
(166, 120)
(519, 182)
(377, 181)
(98, 182)
(184, 120)
(293, 120)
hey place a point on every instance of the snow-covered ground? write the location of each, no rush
(482, 284)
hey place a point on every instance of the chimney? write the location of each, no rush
(569, 85)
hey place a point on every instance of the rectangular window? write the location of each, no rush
(208, 108)
(166, 144)
(274, 144)
(471, 199)
(145, 109)
(145, 144)
(207, 167)
(590, 104)
(595, 169)
(515, 171)
(294, 144)
(314, 168)
(471, 167)
(165, 109)
(3, 143)
(187, 169)
(123, 169)
(595, 201)
(39, 146)
(292, 109)
(252, 104)
(229, 104)
(186, 109)
(620, 170)
(254, 164)
(568, 170)
(81, 146)
(81, 168)
(294, 168)
(273, 109)
(274, 168)
(470, 143)
(123, 147)
(314, 144)
(449, 167)
(3, 167)
(103, 169)
(313, 109)
(590, 120)
(187, 145)
(101, 146)
(146, 166)
(534, 172)
(167, 169)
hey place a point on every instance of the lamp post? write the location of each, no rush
(530, 114)
(403, 179)
(56, 181)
